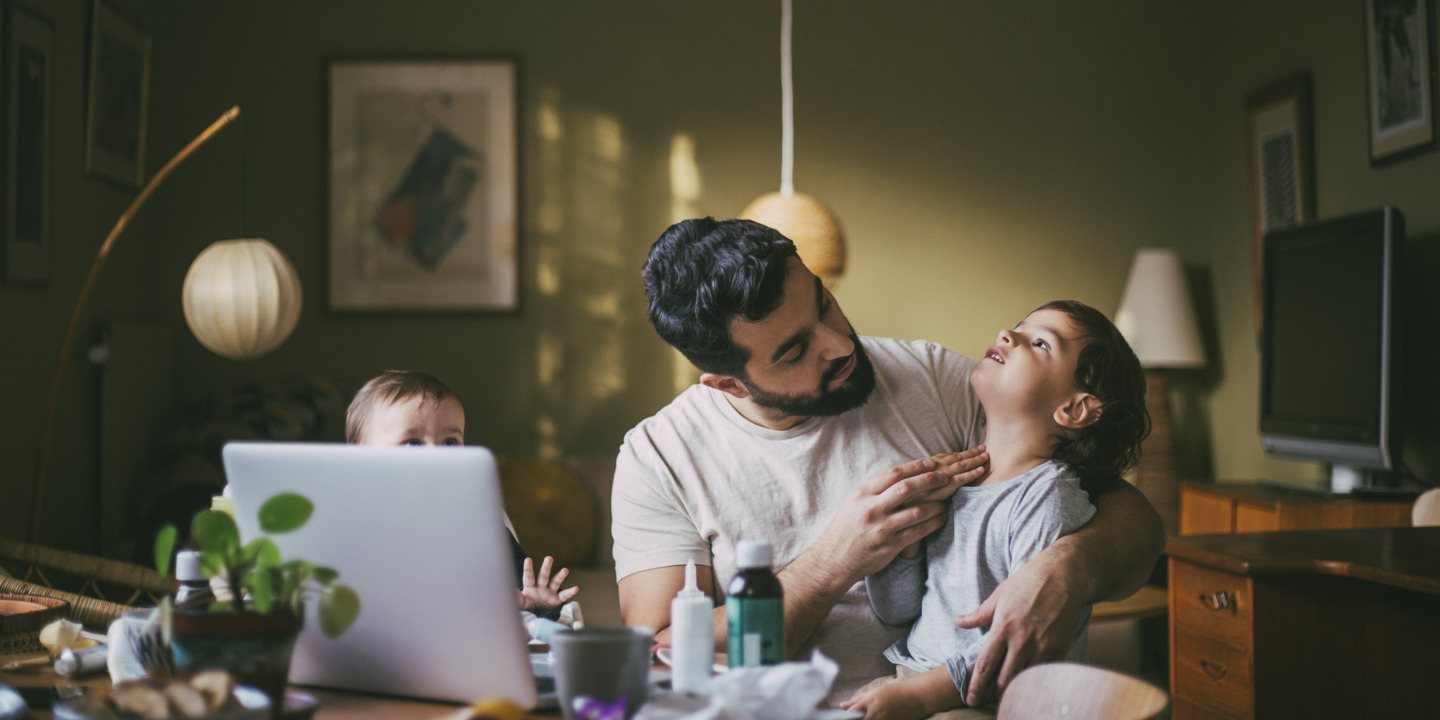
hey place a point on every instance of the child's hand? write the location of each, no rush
(539, 592)
(887, 702)
(966, 467)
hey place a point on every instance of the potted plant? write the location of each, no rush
(253, 634)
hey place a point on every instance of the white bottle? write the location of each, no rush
(692, 637)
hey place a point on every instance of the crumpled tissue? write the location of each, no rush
(788, 691)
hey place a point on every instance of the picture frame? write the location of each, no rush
(1280, 151)
(1400, 79)
(423, 186)
(117, 98)
(29, 91)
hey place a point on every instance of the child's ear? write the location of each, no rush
(726, 384)
(1081, 410)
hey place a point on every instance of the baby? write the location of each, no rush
(1064, 400)
(404, 407)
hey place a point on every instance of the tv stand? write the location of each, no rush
(1259, 507)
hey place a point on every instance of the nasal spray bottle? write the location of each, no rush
(755, 608)
(692, 637)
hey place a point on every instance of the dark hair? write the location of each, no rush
(1108, 369)
(387, 388)
(703, 273)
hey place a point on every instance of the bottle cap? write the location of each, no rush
(691, 589)
(187, 566)
(753, 554)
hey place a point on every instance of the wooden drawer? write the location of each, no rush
(1214, 675)
(1181, 709)
(1211, 603)
(1202, 514)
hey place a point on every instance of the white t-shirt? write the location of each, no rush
(697, 477)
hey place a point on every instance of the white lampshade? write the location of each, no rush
(818, 239)
(1156, 315)
(241, 298)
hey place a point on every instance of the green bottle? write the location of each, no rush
(755, 608)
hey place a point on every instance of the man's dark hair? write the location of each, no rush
(703, 273)
(1108, 369)
(388, 388)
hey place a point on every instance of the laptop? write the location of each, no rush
(418, 533)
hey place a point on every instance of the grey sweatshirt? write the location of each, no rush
(992, 531)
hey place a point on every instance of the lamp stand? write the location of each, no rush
(1157, 475)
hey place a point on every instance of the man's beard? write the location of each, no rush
(824, 401)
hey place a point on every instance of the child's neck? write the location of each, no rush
(1016, 447)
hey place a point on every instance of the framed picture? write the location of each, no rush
(1400, 79)
(1282, 164)
(422, 185)
(29, 88)
(118, 94)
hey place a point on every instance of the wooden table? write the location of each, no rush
(1314, 624)
(1252, 507)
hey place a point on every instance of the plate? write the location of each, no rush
(298, 706)
(253, 706)
(721, 660)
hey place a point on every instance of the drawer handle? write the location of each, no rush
(1216, 601)
(1214, 671)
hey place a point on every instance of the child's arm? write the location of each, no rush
(921, 696)
(896, 590)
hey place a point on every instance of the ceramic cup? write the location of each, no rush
(601, 666)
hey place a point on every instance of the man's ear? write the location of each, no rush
(726, 384)
(1081, 410)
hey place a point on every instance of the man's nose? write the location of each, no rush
(840, 344)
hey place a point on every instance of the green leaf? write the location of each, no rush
(212, 563)
(262, 589)
(285, 513)
(216, 532)
(263, 552)
(325, 575)
(339, 606)
(164, 546)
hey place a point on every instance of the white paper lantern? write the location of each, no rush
(241, 298)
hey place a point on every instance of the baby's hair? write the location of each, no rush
(1108, 369)
(387, 388)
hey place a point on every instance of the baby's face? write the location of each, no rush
(417, 421)
(1030, 369)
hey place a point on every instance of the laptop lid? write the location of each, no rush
(418, 533)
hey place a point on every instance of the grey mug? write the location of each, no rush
(601, 666)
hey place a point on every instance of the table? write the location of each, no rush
(1322, 623)
(1253, 507)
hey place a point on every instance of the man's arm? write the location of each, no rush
(883, 515)
(1035, 614)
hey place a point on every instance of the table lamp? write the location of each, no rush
(1158, 320)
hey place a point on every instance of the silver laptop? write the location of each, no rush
(418, 532)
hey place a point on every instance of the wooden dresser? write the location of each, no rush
(1313, 624)
(1238, 508)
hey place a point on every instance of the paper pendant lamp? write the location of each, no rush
(810, 225)
(241, 298)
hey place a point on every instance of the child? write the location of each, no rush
(1064, 400)
(401, 407)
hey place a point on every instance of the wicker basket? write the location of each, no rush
(21, 619)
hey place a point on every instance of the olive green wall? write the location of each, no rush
(983, 158)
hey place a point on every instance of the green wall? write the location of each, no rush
(983, 158)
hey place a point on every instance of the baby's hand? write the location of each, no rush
(539, 592)
(887, 702)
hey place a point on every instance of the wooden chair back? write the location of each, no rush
(1081, 692)
(1427, 509)
(98, 589)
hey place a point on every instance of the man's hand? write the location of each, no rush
(893, 510)
(1033, 619)
(540, 592)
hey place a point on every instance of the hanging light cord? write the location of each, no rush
(243, 183)
(787, 106)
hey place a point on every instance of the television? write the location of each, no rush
(1329, 346)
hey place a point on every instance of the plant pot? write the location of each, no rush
(255, 649)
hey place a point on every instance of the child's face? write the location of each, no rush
(417, 421)
(1030, 369)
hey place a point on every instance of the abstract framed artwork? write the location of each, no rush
(1281, 162)
(118, 95)
(423, 195)
(1400, 80)
(29, 89)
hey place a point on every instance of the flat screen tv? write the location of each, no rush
(1329, 345)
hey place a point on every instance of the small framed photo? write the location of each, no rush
(118, 95)
(423, 196)
(1281, 162)
(1400, 78)
(29, 89)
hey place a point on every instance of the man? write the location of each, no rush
(792, 413)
